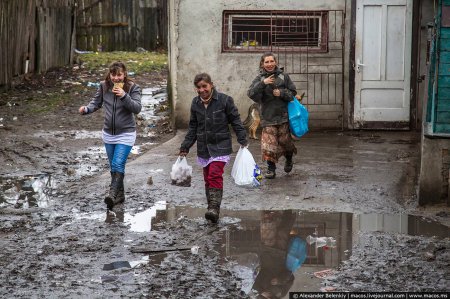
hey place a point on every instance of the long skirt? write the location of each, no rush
(276, 141)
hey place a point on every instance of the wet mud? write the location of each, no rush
(345, 219)
(168, 251)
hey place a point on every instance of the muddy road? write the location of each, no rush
(345, 219)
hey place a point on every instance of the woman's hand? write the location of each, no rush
(299, 97)
(118, 91)
(82, 110)
(269, 80)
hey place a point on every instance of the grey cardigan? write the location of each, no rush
(118, 112)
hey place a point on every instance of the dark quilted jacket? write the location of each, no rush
(209, 127)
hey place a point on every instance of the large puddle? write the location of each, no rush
(155, 109)
(278, 251)
(26, 192)
(322, 223)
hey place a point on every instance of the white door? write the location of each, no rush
(382, 63)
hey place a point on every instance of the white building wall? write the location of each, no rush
(195, 47)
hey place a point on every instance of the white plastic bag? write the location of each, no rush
(181, 173)
(245, 171)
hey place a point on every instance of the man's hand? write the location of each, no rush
(182, 154)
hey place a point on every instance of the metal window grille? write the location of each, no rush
(264, 30)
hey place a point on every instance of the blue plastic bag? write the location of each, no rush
(296, 254)
(298, 118)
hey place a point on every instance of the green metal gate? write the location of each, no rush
(438, 106)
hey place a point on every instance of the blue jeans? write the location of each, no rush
(117, 156)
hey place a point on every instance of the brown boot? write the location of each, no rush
(215, 199)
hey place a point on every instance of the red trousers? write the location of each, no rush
(213, 175)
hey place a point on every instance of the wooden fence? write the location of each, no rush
(35, 35)
(122, 25)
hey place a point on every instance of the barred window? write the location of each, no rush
(265, 30)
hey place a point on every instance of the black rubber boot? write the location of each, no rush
(215, 199)
(112, 193)
(121, 193)
(207, 197)
(270, 173)
(288, 164)
(116, 183)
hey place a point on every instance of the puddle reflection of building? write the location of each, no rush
(259, 243)
(337, 225)
(29, 191)
(399, 223)
(272, 253)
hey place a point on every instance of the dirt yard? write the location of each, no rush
(42, 131)
(56, 239)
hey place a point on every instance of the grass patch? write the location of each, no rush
(137, 63)
(51, 101)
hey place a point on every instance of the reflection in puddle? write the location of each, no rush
(142, 221)
(151, 98)
(154, 108)
(26, 192)
(138, 222)
(273, 252)
(405, 224)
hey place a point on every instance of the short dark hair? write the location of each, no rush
(202, 77)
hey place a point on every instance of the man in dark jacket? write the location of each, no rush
(211, 114)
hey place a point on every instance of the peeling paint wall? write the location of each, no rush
(195, 46)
